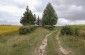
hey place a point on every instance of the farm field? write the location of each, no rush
(42, 42)
(8, 29)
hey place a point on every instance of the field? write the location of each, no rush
(41, 42)
(76, 44)
(8, 29)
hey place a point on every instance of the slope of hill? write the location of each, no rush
(42, 42)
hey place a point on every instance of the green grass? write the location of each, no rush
(75, 44)
(22, 44)
(15, 44)
(52, 45)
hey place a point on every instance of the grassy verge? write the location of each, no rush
(75, 44)
(22, 44)
(52, 45)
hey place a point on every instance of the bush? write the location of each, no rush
(68, 30)
(25, 30)
(49, 27)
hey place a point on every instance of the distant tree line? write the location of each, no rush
(49, 17)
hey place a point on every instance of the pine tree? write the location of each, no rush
(34, 16)
(49, 16)
(38, 21)
(27, 18)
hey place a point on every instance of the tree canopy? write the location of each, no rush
(28, 18)
(49, 15)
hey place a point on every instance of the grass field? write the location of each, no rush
(15, 44)
(52, 45)
(75, 43)
(22, 44)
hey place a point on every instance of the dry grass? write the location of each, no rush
(26, 44)
(75, 43)
(22, 44)
(8, 29)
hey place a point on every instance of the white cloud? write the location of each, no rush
(38, 14)
(65, 11)
(11, 9)
(63, 21)
(20, 1)
(78, 22)
(74, 8)
(30, 3)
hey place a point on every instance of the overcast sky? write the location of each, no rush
(68, 11)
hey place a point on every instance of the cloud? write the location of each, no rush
(69, 12)
(74, 8)
(63, 21)
(11, 9)
(7, 18)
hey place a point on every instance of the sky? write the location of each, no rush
(69, 12)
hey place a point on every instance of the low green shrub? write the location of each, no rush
(68, 30)
(50, 27)
(25, 30)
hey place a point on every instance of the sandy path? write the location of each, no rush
(43, 45)
(63, 50)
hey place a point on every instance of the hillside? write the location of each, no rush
(42, 42)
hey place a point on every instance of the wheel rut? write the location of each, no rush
(43, 45)
(61, 48)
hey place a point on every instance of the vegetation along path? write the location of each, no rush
(22, 44)
(61, 48)
(43, 45)
(51, 48)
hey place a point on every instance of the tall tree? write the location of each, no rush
(34, 16)
(28, 18)
(38, 21)
(49, 15)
